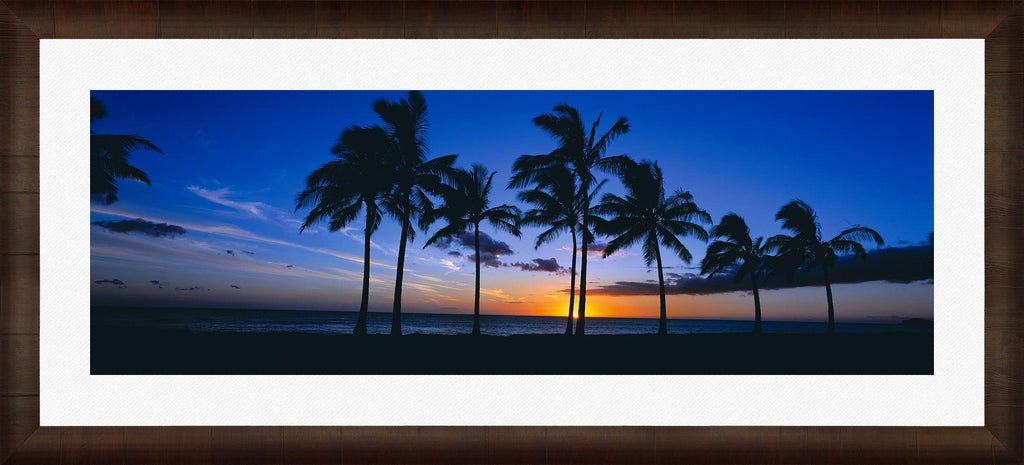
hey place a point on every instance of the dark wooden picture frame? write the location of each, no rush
(24, 22)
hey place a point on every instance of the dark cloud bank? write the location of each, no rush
(142, 226)
(901, 265)
(491, 251)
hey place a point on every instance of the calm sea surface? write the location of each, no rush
(296, 321)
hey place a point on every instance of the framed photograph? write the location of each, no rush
(640, 250)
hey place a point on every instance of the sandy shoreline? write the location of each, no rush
(140, 351)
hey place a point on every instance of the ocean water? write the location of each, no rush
(322, 322)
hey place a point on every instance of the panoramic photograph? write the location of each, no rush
(511, 232)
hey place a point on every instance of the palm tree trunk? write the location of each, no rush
(476, 302)
(581, 324)
(831, 310)
(572, 284)
(663, 318)
(757, 307)
(396, 312)
(364, 302)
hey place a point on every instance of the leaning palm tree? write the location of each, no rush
(738, 253)
(559, 208)
(355, 181)
(806, 247)
(108, 160)
(580, 153)
(466, 205)
(647, 217)
(415, 177)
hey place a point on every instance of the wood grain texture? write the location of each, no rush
(452, 19)
(23, 22)
(19, 362)
(511, 445)
(36, 15)
(406, 444)
(247, 445)
(347, 20)
(977, 18)
(607, 19)
(920, 19)
(278, 19)
(815, 20)
(809, 444)
(954, 445)
(19, 289)
(1005, 46)
(19, 117)
(91, 19)
(37, 449)
(1004, 191)
(553, 19)
(206, 19)
(19, 225)
(746, 19)
(311, 445)
(101, 445)
(19, 47)
(21, 419)
(19, 174)
(159, 446)
(1004, 112)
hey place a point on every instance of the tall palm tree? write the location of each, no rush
(466, 205)
(415, 177)
(582, 154)
(355, 181)
(108, 160)
(559, 208)
(737, 250)
(647, 217)
(808, 249)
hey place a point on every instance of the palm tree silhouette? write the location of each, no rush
(806, 247)
(748, 256)
(582, 154)
(646, 216)
(109, 154)
(355, 181)
(415, 178)
(559, 207)
(466, 205)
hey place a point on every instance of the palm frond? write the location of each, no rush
(860, 234)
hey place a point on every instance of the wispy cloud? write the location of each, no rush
(220, 197)
(498, 294)
(450, 265)
(192, 254)
(236, 232)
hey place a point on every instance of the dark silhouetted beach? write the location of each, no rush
(133, 350)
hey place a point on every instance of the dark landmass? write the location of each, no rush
(920, 322)
(117, 350)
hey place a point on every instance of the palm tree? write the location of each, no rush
(355, 181)
(415, 177)
(559, 207)
(582, 154)
(109, 154)
(748, 256)
(646, 216)
(466, 205)
(807, 248)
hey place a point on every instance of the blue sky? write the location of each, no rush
(234, 160)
